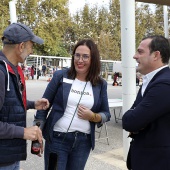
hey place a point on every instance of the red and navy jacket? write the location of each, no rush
(13, 106)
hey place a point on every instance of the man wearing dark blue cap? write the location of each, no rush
(18, 40)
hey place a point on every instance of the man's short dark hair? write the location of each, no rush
(161, 44)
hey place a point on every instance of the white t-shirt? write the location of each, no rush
(87, 100)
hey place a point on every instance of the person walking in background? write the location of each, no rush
(32, 72)
(17, 42)
(79, 101)
(115, 77)
(38, 73)
(44, 68)
(23, 68)
(54, 69)
(148, 120)
(138, 79)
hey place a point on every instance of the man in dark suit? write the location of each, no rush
(148, 120)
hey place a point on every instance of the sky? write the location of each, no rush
(75, 5)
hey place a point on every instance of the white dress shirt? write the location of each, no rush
(147, 78)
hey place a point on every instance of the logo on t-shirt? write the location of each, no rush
(80, 92)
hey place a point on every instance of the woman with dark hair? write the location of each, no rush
(78, 97)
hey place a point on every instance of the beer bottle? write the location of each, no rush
(35, 146)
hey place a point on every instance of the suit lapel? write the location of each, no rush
(159, 73)
(66, 89)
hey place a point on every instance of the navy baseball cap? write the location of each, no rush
(17, 33)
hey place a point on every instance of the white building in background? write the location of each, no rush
(38, 60)
(110, 66)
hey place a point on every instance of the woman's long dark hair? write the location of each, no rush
(94, 71)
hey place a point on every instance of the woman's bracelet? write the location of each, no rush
(95, 117)
(92, 117)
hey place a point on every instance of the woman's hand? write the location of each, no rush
(84, 113)
(42, 104)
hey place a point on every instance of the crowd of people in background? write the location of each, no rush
(45, 71)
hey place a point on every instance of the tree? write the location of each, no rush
(158, 21)
(4, 16)
(143, 22)
(114, 28)
(108, 47)
(49, 20)
(103, 26)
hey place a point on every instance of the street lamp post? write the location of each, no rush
(12, 10)
(165, 8)
(71, 44)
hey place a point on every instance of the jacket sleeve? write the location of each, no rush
(49, 94)
(154, 105)
(104, 108)
(30, 104)
(10, 131)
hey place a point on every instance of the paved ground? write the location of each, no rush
(104, 156)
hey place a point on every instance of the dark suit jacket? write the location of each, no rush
(149, 118)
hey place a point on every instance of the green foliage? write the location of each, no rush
(4, 16)
(50, 19)
(159, 23)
